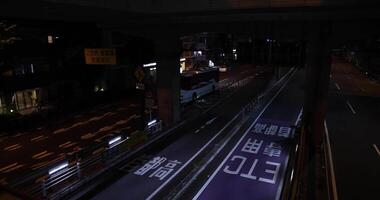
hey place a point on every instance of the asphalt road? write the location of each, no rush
(252, 172)
(28, 152)
(138, 183)
(159, 171)
(24, 153)
(352, 122)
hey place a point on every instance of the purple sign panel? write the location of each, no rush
(255, 168)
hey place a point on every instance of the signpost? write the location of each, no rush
(100, 56)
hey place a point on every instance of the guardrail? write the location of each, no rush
(79, 171)
(329, 166)
(192, 172)
(297, 182)
(68, 176)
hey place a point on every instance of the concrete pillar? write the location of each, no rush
(318, 69)
(318, 66)
(168, 79)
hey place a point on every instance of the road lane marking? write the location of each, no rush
(43, 164)
(100, 138)
(64, 144)
(13, 168)
(84, 122)
(59, 131)
(77, 124)
(13, 147)
(331, 162)
(39, 154)
(45, 155)
(18, 134)
(350, 106)
(38, 138)
(195, 176)
(211, 120)
(42, 154)
(280, 186)
(106, 128)
(67, 144)
(240, 140)
(98, 151)
(121, 122)
(337, 86)
(376, 149)
(192, 158)
(8, 166)
(87, 136)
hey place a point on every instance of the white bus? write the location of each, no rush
(195, 84)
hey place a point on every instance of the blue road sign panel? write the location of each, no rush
(255, 169)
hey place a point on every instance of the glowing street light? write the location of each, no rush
(150, 64)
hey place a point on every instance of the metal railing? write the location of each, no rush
(81, 170)
(78, 171)
(297, 180)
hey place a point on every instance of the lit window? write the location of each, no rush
(50, 39)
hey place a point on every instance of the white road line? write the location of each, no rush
(337, 86)
(42, 154)
(64, 144)
(8, 166)
(43, 164)
(191, 159)
(179, 193)
(331, 162)
(88, 136)
(38, 138)
(211, 120)
(240, 140)
(280, 186)
(350, 106)
(67, 144)
(59, 131)
(13, 147)
(197, 131)
(13, 168)
(376, 149)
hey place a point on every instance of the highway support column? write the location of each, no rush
(168, 78)
(318, 67)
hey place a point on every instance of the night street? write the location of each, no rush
(189, 99)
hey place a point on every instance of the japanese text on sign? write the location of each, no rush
(158, 167)
(100, 56)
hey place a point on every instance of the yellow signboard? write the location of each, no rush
(100, 56)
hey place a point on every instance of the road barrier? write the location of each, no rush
(87, 164)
